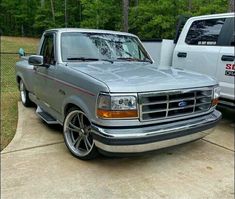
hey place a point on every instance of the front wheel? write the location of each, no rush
(78, 136)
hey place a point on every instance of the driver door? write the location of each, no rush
(44, 76)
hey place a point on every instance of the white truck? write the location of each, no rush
(205, 45)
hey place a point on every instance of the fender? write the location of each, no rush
(20, 75)
(77, 101)
(25, 72)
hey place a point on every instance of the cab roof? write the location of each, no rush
(84, 30)
(211, 16)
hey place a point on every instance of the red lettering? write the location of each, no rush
(228, 66)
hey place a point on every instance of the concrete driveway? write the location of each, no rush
(36, 164)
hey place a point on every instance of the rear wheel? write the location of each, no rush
(24, 95)
(77, 135)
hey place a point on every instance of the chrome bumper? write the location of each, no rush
(148, 138)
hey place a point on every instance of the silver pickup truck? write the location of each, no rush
(108, 94)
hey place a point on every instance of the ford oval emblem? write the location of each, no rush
(182, 104)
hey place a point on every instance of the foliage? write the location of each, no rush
(100, 14)
(158, 18)
(147, 18)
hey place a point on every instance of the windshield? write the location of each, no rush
(101, 46)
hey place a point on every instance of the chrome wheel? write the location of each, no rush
(22, 92)
(77, 134)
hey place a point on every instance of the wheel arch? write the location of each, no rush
(18, 78)
(75, 101)
(69, 106)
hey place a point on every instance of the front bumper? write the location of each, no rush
(149, 138)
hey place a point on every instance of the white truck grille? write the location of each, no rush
(177, 103)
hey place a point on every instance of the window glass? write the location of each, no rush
(101, 46)
(134, 50)
(48, 50)
(232, 42)
(204, 32)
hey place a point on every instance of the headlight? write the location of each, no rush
(216, 95)
(117, 107)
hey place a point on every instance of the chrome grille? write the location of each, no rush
(176, 103)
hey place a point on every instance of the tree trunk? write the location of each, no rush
(189, 5)
(231, 5)
(97, 17)
(125, 15)
(42, 3)
(136, 2)
(22, 30)
(53, 11)
(136, 7)
(65, 14)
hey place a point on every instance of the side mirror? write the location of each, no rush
(36, 60)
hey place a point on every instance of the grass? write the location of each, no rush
(9, 90)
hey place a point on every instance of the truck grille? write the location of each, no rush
(171, 104)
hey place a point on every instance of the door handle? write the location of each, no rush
(227, 58)
(181, 54)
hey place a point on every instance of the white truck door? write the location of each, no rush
(225, 67)
(197, 48)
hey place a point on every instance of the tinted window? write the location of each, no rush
(232, 42)
(204, 32)
(48, 50)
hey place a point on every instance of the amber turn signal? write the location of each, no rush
(215, 101)
(107, 114)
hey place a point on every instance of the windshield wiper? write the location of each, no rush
(82, 58)
(109, 60)
(88, 59)
(134, 59)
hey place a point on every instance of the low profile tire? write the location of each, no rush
(24, 95)
(77, 135)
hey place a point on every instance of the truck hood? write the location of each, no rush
(142, 77)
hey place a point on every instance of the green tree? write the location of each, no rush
(147, 18)
(18, 16)
(158, 18)
(147, 24)
(102, 14)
